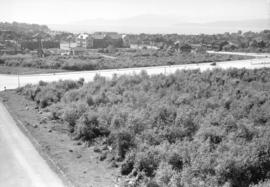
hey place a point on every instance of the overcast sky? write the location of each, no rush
(65, 11)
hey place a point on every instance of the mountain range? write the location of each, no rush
(161, 24)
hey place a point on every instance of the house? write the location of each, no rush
(82, 40)
(230, 47)
(199, 48)
(143, 46)
(105, 39)
(182, 47)
(217, 46)
(99, 40)
(126, 41)
(34, 45)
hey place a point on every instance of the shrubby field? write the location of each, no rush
(190, 128)
(123, 60)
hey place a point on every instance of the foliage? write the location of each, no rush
(190, 128)
(124, 60)
(238, 41)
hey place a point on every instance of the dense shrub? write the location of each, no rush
(190, 128)
(47, 94)
(89, 128)
(128, 164)
(123, 141)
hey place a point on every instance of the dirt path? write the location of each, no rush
(258, 55)
(21, 164)
(13, 81)
(107, 56)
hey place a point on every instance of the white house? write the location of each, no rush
(82, 40)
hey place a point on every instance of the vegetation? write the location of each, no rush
(23, 27)
(239, 41)
(24, 32)
(123, 60)
(246, 42)
(26, 70)
(190, 128)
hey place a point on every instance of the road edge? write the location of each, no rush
(51, 163)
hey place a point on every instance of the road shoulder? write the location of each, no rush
(75, 162)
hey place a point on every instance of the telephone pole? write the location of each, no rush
(18, 80)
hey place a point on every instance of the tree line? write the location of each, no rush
(239, 41)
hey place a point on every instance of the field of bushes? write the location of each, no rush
(187, 129)
(123, 60)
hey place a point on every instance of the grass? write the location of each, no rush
(27, 64)
(26, 70)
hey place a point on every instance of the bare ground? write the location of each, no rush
(77, 161)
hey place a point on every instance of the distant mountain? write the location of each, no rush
(257, 23)
(162, 24)
(226, 26)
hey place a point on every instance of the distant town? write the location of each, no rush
(30, 38)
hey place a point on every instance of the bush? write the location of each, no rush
(122, 142)
(128, 164)
(164, 174)
(148, 162)
(56, 111)
(88, 127)
(191, 128)
(71, 116)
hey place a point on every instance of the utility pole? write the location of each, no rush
(18, 80)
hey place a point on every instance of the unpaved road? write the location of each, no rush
(107, 56)
(259, 55)
(20, 163)
(13, 81)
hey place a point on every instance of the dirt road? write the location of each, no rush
(21, 164)
(13, 81)
(258, 55)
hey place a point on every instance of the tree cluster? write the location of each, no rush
(247, 41)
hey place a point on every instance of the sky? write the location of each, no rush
(68, 11)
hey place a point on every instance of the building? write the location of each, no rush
(105, 39)
(126, 41)
(35, 45)
(100, 40)
(143, 46)
(82, 40)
